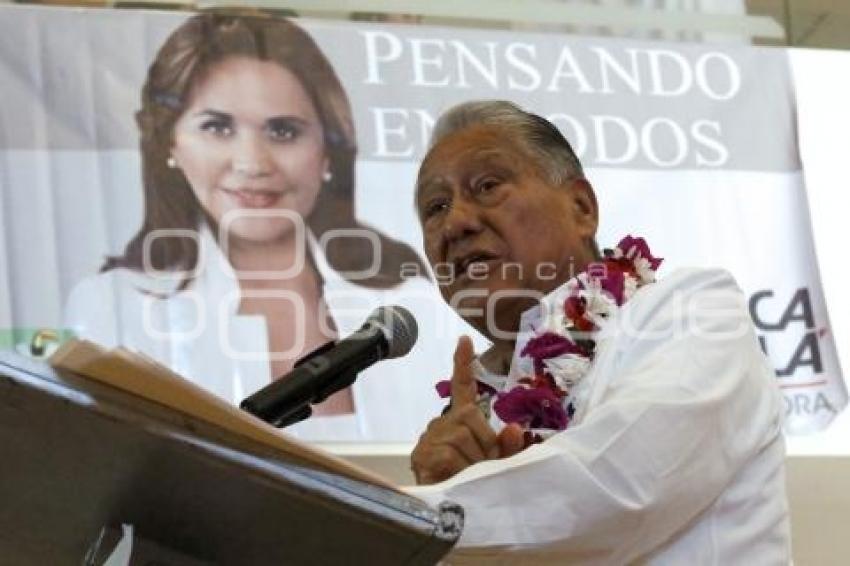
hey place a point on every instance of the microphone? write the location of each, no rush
(389, 332)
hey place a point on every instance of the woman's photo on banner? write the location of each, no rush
(247, 154)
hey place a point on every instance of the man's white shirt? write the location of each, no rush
(675, 454)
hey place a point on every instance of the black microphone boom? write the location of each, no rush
(389, 332)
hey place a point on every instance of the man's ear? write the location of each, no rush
(586, 207)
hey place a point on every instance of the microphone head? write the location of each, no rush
(398, 327)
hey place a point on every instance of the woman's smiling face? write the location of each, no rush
(251, 146)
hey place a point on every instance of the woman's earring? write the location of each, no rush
(327, 176)
(171, 162)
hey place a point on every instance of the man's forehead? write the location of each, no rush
(477, 145)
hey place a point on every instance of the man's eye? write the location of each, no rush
(487, 184)
(435, 207)
(220, 128)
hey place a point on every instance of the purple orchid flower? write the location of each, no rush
(637, 247)
(536, 407)
(548, 345)
(614, 284)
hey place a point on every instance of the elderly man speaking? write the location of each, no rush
(616, 418)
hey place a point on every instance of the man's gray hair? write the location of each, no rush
(543, 141)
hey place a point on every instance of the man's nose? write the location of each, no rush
(463, 220)
(251, 156)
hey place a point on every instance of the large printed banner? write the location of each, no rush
(109, 229)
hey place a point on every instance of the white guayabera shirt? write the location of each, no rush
(675, 455)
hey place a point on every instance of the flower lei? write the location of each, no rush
(563, 347)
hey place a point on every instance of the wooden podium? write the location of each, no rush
(79, 456)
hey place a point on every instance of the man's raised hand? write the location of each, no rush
(462, 436)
